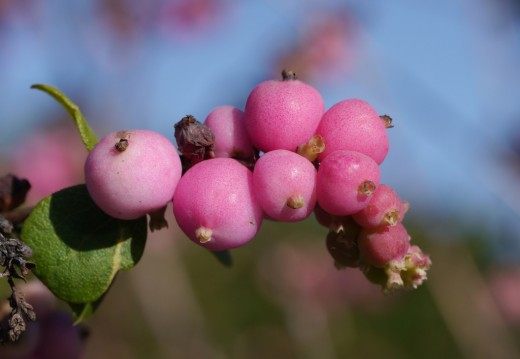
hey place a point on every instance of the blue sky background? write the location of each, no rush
(446, 71)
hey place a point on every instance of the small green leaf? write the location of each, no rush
(77, 248)
(224, 257)
(88, 136)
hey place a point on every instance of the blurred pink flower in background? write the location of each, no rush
(504, 285)
(51, 159)
(326, 49)
(185, 18)
(307, 274)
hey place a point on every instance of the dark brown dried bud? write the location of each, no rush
(13, 192)
(288, 75)
(195, 141)
(343, 248)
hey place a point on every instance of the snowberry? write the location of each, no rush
(214, 204)
(355, 126)
(228, 127)
(379, 246)
(385, 208)
(131, 173)
(285, 185)
(345, 182)
(282, 114)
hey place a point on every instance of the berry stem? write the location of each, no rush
(288, 75)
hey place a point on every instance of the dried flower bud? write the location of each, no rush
(195, 141)
(13, 192)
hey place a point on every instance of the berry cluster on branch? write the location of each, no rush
(282, 158)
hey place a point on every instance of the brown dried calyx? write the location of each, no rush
(387, 120)
(288, 75)
(367, 188)
(195, 141)
(295, 202)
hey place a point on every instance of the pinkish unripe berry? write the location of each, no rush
(285, 185)
(282, 114)
(355, 126)
(132, 173)
(346, 180)
(214, 204)
(231, 138)
(384, 208)
(380, 246)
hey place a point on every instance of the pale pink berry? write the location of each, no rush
(345, 182)
(380, 246)
(214, 204)
(385, 208)
(285, 185)
(132, 173)
(282, 114)
(355, 126)
(231, 138)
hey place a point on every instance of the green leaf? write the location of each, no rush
(77, 248)
(82, 311)
(88, 136)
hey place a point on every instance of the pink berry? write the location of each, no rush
(214, 204)
(282, 114)
(385, 208)
(354, 125)
(345, 182)
(132, 173)
(379, 246)
(285, 185)
(228, 127)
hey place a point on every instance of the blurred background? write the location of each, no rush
(447, 72)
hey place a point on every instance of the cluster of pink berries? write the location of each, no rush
(282, 158)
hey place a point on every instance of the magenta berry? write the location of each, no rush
(282, 114)
(380, 246)
(355, 126)
(345, 182)
(285, 185)
(214, 204)
(129, 174)
(385, 208)
(228, 127)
